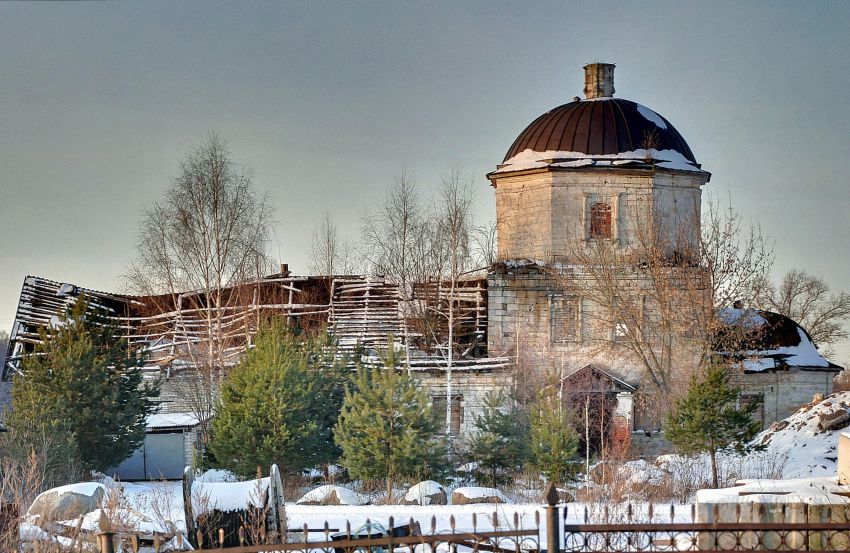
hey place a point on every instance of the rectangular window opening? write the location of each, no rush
(563, 319)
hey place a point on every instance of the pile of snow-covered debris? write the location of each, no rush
(332, 495)
(809, 437)
(804, 445)
(71, 515)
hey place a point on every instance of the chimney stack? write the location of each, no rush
(599, 80)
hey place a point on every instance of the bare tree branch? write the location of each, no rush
(808, 300)
(208, 235)
(654, 302)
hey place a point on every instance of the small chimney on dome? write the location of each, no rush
(598, 80)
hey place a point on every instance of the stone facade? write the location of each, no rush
(546, 214)
(468, 390)
(782, 392)
(649, 445)
(535, 320)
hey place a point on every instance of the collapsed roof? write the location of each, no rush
(360, 312)
(763, 341)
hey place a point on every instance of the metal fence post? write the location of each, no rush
(553, 533)
(188, 482)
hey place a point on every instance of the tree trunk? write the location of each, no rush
(449, 364)
(715, 481)
(587, 437)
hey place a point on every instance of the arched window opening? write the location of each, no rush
(600, 220)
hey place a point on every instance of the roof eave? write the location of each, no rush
(494, 176)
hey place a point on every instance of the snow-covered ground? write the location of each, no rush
(155, 506)
(795, 448)
(810, 451)
(511, 516)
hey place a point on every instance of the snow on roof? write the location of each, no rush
(805, 354)
(529, 159)
(810, 451)
(758, 364)
(763, 340)
(651, 116)
(823, 490)
(171, 420)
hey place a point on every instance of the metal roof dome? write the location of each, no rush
(600, 124)
(600, 127)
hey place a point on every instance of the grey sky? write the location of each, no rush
(327, 101)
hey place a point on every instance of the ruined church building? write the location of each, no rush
(597, 171)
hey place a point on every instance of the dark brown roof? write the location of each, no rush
(599, 127)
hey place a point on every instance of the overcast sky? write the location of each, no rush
(328, 101)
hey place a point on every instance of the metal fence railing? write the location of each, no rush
(729, 527)
(561, 528)
(369, 538)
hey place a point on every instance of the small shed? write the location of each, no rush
(166, 450)
(602, 405)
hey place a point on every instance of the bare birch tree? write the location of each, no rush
(425, 251)
(808, 300)
(396, 244)
(329, 253)
(454, 226)
(484, 244)
(736, 255)
(196, 246)
(4, 346)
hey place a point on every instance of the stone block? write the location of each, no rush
(844, 458)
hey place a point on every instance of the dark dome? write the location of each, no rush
(603, 126)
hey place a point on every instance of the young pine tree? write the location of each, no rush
(84, 385)
(554, 440)
(500, 445)
(708, 419)
(278, 405)
(386, 426)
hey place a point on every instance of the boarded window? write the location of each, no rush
(438, 404)
(600, 220)
(563, 319)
